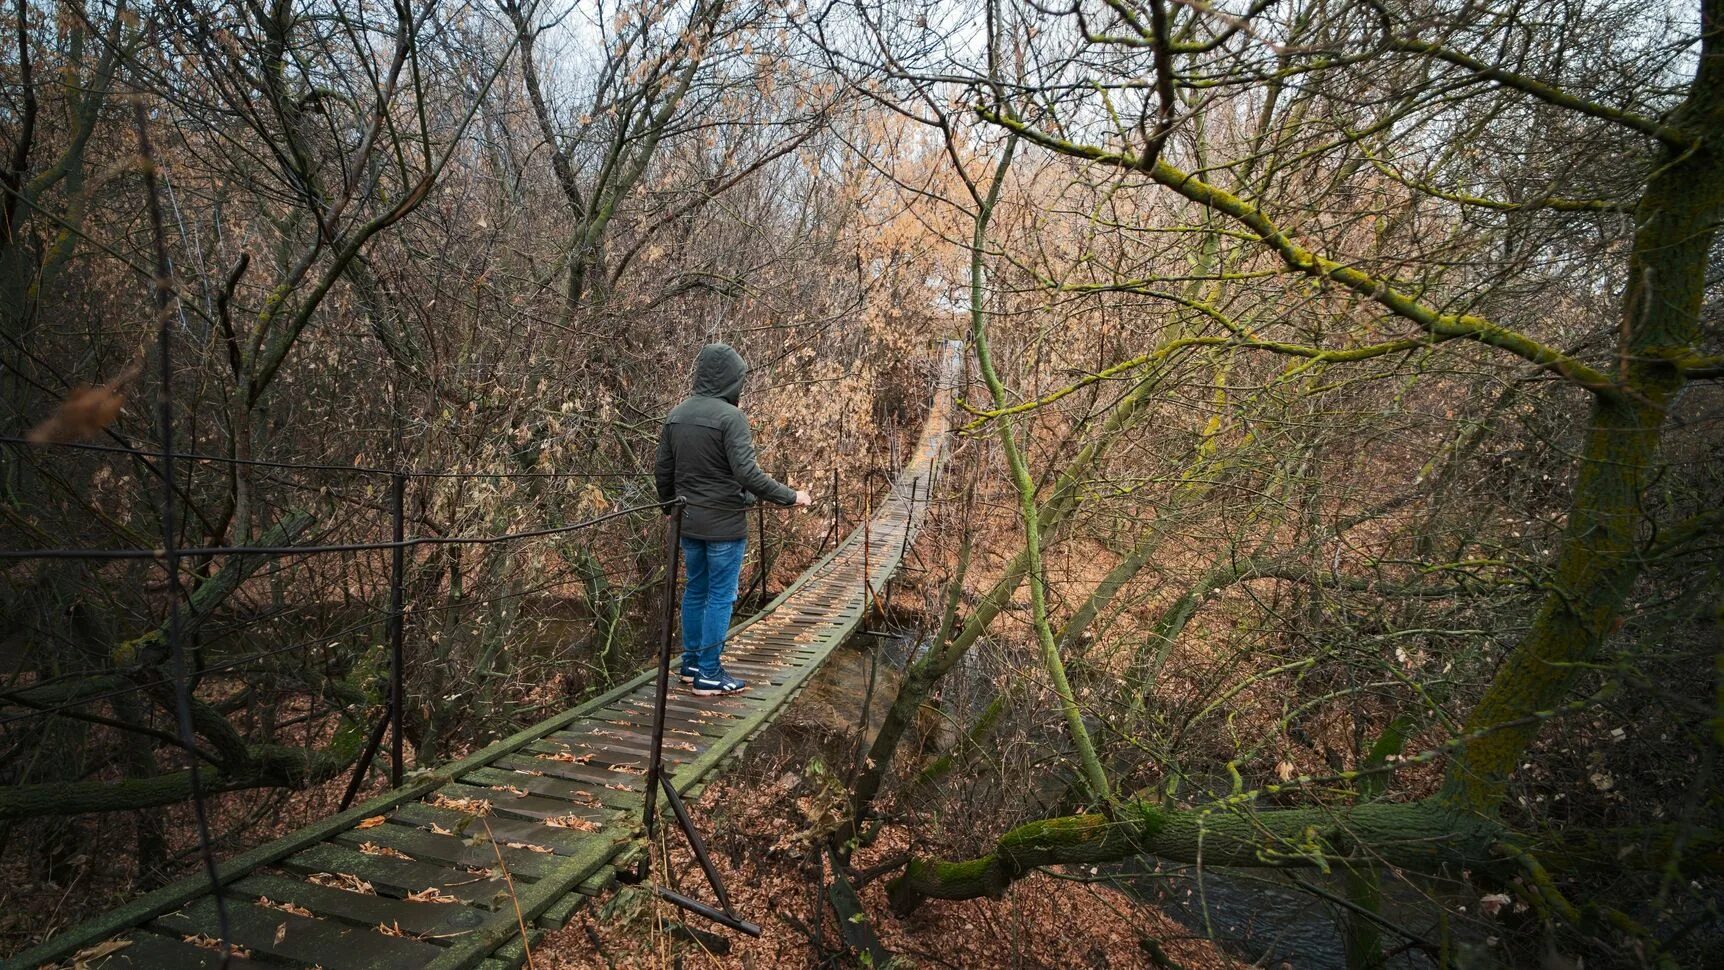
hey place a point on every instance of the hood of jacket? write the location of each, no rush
(718, 372)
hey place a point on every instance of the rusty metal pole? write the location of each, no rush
(909, 520)
(867, 544)
(397, 570)
(667, 636)
(765, 558)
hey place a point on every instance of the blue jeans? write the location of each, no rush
(711, 568)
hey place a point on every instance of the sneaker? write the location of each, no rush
(717, 685)
(688, 673)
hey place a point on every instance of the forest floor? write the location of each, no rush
(762, 820)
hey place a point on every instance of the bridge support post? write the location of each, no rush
(667, 639)
(397, 572)
(909, 520)
(765, 557)
(656, 778)
(832, 531)
(867, 549)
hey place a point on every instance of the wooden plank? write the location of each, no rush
(285, 936)
(619, 745)
(561, 841)
(150, 951)
(550, 787)
(602, 761)
(683, 701)
(623, 735)
(439, 920)
(513, 953)
(674, 726)
(176, 894)
(536, 807)
(398, 877)
(686, 709)
(558, 915)
(532, 900)
(472, 850)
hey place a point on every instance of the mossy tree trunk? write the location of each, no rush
(1595, 566)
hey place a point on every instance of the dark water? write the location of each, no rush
(1257, 916)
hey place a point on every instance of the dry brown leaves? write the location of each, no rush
(211, 943)
(284, 907)
(431, 894)
(572, 821)
(977, 933)
(571, 758)
(372, 822)
(511, 789)
(88, 955)
(530, 847)
(372, 848)
(472, 806)
(342, 880)
(84, 413)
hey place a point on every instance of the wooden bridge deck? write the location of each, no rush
(415, 877)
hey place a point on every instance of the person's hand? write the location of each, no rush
(802, 497)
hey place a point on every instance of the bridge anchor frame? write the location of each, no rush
(725, 914)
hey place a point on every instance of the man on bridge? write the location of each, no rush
(706, 456)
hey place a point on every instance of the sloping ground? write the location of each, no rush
(450, 870)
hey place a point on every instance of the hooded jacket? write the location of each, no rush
(706, 453)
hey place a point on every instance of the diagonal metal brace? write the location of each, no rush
(656, 778)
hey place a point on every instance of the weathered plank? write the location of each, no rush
(143, 949)
(398, 877)
(271, 932)
(425, 919)
(472, 850)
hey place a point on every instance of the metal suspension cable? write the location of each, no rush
(217, 668)
(227, 665)
(311, 550)
(211, 669)
(313, 466)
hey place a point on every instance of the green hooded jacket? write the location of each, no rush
(706, 453)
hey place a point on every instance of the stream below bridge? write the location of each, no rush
(1256, 915)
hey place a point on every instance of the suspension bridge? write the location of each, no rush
(468, 864)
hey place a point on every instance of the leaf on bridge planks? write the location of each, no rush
(211, 943)
(431, 894)
(572, 821)
(372, 848)
(91, 954)
(472, 806)
(284, 907)
(342, 880)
